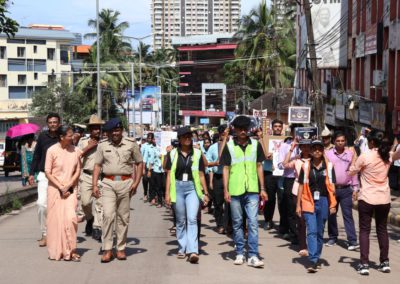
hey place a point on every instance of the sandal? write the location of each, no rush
(181, 255)
(75, 257)
(303, 252)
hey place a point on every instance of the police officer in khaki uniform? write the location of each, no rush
(88, 146)
(117, 157)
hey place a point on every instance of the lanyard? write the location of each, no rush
(185, 161)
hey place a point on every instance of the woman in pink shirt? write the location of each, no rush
(374, 198)
(296, 223)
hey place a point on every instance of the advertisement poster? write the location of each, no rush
(330, 32)
(151, 106)
(299, 114)
(164, 138)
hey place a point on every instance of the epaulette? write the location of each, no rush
(103, 140)
(130, 139)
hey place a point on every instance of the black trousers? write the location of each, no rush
(156, 187)
(218, 193)
(274, 192)
(145, 182)
(288, 211)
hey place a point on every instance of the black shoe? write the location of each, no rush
(89, 227)
(96, 234)
(312, 268)
(384, 267)
(268, 225)
(363, 269)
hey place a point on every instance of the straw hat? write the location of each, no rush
(95, 120)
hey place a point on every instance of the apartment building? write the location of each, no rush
(36, 55)
(174, 18)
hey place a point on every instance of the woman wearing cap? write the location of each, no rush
(185, 185)
(62, 169)
(316, 200)
(374, 197)
(297, 223)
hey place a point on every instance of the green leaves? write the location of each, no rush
(7, 25)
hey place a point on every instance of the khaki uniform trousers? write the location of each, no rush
(87, 200)
(116, 209)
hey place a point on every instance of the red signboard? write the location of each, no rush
(371, 44)
(198, 113)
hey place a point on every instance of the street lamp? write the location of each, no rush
(170, 93)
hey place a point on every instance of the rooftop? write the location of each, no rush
(42, 33)
(201, 39)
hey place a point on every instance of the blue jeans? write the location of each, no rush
(248, 203)
(186, 209)
(315, 223)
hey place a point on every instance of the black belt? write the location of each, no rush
(341, 186)
(88, 172)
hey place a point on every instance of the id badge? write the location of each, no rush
(316, 195)
(185, 177)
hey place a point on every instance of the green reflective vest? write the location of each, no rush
(243, 175)
(195, 173)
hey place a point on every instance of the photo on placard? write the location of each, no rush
(299, 114)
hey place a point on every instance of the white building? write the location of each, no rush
(28, 62)
(174, 18)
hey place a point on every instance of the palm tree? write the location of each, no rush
(112, 43)
(267, 42)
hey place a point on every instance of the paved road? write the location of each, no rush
(151, 257)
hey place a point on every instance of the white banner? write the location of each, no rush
(329, 20)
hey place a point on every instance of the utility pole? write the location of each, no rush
(132, 98)
(318, 100)
(99, 98)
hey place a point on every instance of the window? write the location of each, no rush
(18, 93)
(21, 51)
(50, 53)
(13, 40)
(3, 50)
(37, 65)
(6, 124)
(35, 49)
(3, 80)
(16, 65)
(21, 79)
(35, 76)
(35, 41)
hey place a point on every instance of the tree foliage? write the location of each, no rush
(7, 25)
(266, 50)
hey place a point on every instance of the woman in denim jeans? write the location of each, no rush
(316, 200)
(185, 185)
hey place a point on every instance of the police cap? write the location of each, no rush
(113, 123)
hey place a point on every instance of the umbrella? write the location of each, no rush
(22, 129)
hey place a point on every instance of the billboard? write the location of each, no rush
(150, 100)
(329, 20)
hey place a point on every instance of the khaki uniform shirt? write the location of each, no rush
(118, 159)
(88, 159)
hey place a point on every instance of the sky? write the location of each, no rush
(74, 14)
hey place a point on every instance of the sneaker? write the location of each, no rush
(363, 269)
(384, 267)
(239, 260)
(255, 262)
(313, 268)
(268, 225)
(330, 243)
(352, 247)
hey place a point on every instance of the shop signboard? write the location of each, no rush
(364, 113)
(330, 117)
(378, 116)
(340, 112)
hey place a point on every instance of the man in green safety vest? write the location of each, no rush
(243, 176)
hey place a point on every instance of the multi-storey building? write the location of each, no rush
(28, 61)
(172, 18)
(358, 52)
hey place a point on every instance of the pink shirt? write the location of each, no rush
(375, 188)
(296, 165)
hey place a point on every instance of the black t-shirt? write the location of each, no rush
(184, 165)
(226, 158)
(317, 179)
